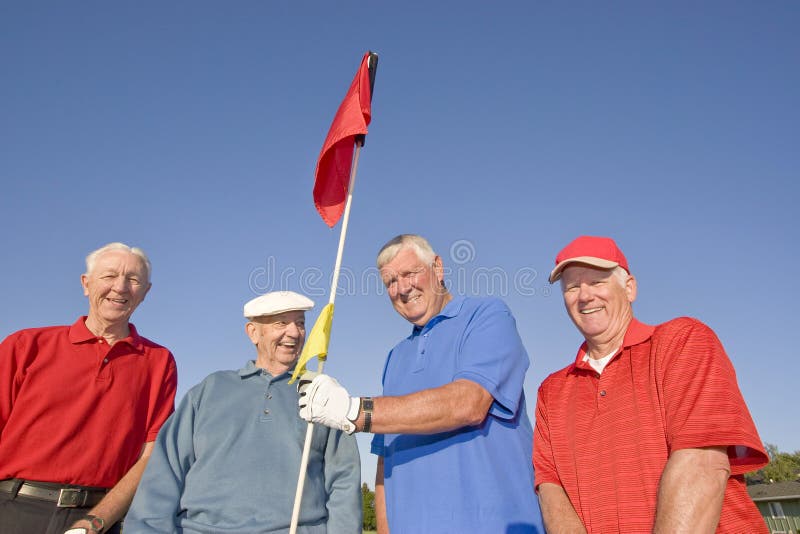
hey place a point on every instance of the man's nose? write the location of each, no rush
(292, 329)
(585, 293)
(120, 284)
(404, 284)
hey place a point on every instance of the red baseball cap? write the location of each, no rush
(595, 251)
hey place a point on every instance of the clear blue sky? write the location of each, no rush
(501, 130)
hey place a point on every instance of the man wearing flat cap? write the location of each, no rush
(647, 429)
(229, 457)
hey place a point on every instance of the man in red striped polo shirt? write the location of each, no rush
(647, 430)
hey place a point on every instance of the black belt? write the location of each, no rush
(63, 496)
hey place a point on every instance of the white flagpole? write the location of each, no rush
(301, 477)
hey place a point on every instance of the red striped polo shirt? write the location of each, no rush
(605, 438)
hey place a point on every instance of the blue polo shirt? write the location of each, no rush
(474, 479)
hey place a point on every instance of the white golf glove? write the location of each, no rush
(324, 401)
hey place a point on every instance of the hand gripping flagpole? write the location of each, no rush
(298, 496)
(359, 142)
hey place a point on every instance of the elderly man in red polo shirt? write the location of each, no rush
(647, 430)
(80, 407)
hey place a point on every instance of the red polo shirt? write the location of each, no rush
(605, 438)
(76, 411)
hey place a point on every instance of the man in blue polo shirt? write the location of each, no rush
(453, 437)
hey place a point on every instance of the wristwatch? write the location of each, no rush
(97, 524)
(366, 406)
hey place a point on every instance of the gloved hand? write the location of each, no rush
(324, 401)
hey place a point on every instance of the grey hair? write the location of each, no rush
(415, 242)
(91, 259)
(619, 274)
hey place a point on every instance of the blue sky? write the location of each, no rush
(500, 131)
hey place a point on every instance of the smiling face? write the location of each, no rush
(415, 288)
(278, 339)
(599, 305)
(115, 286)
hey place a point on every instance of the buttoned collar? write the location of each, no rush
(79, 333)
(636, 333)
(251, 369)
(451, 309)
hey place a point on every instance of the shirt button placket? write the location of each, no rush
(601, 392)
(423, 340)
(267, 398)
(103, 350)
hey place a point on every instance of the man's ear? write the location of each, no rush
(84, 280)
(631, 288)
(251, 329)
(146, 291)
(438, 268)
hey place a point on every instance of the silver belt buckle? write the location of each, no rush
(71, 498)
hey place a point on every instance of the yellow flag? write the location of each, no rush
(316, 342)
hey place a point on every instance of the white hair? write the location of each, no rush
(91, 259)
(417, 243)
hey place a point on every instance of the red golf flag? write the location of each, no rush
(332, 176)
